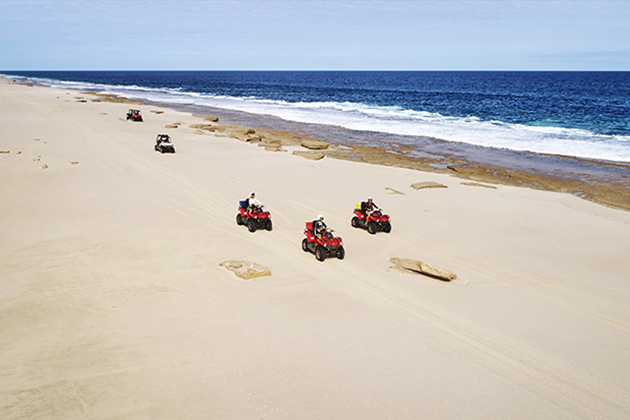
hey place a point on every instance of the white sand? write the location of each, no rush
(113, 304)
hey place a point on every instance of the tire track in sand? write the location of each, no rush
(576, 392)
(558, 383)
(572, 299)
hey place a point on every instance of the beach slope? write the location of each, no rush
(114, 303)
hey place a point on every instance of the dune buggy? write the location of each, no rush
(163, 144)
(134, 115)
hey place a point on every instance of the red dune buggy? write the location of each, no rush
(256, 219)
(134, 115)
(326, 246)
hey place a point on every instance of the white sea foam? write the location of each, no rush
(394, 120)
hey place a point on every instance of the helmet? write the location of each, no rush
(369, 198)
(252, 193)
(321, 216)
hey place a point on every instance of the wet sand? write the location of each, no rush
(114, 302)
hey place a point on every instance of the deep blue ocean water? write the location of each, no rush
(580, 114)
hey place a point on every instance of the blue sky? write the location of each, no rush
(315, 35)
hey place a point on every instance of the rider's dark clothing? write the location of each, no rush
(367, 206)
(319, 227)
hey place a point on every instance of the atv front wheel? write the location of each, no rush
(371, 227)
(320, 254)
(341, 253)
(239, 221)
(387, 228)
(251, 225)
(355, 222)
(304, 245)
(269, 226)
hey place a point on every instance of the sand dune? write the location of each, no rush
(113, 303)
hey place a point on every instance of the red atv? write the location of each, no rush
(375, 221)
(256, 219)
(327, 246)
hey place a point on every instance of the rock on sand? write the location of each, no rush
(314, 144)
(429, 184)
(309, 154)
(477, 184)
(246, 269)
(419, 267)
(207, 127)
(393, 191)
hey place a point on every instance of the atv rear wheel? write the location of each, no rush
(320, 254)
(387, 228)
(341, 253)
(371, 227)
(251, 225)
(304, 245)
(269, 225)
(355, 222)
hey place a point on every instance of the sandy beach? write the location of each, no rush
(113, 303)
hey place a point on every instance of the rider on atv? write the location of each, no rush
(368, 215)
(252, 215)
(252, 202)
(320, 241)
(367, 207)
(319, 227)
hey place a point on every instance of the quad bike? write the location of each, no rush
(326, 246)
(134, 115)
(375, 221)
(256, 219)
(163, 144)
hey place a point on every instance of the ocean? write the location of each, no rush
(490, 115)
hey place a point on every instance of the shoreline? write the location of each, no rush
(603, 182)
(612, 189)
